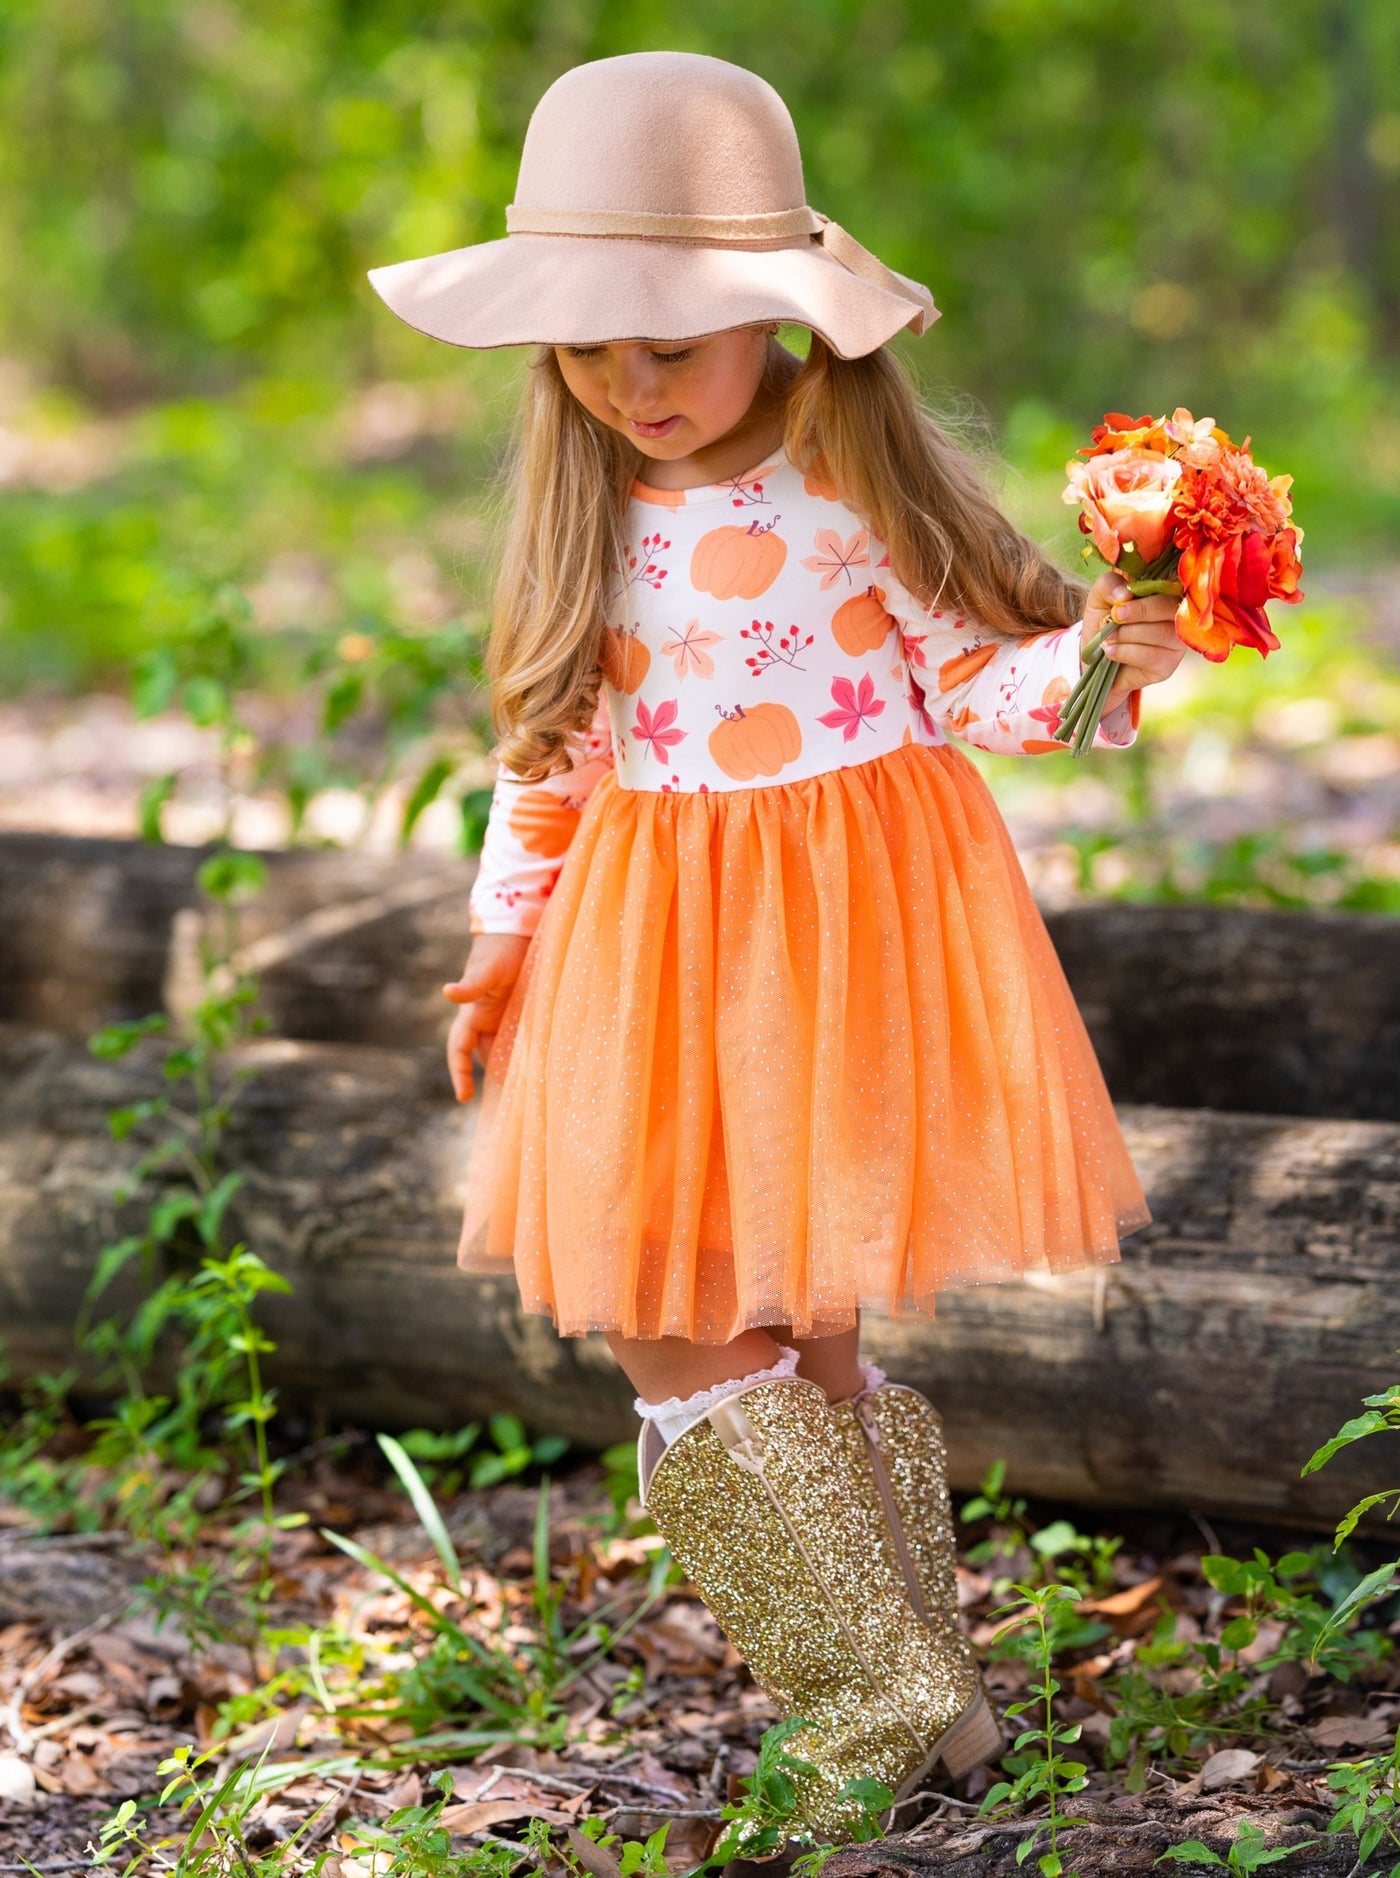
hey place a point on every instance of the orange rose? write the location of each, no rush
(1127, 498)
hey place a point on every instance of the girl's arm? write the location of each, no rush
(999, 693)
(528, 833)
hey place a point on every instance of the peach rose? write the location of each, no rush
(1126, 497)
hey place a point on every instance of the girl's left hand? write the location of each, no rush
(1145, 648)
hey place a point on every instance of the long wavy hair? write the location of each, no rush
(861, 425)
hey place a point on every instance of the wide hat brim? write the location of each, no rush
(547, 289)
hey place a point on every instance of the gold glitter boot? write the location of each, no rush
(893, 1437)
(764, 1506)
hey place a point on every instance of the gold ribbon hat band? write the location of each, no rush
(780, 228)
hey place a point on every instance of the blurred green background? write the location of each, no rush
(1125, 208)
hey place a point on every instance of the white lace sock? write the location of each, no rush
(673, 1416)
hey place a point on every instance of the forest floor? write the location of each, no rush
(357, 1686)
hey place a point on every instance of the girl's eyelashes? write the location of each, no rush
(662, 358)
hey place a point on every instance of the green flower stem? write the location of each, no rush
(1140, 589)
(1088, 721)
(1091, 657)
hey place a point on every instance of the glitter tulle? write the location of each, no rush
(777, 1054)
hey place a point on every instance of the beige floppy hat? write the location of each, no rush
(660, 196)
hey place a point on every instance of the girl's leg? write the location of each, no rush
(834, 1362)
(661, 1367)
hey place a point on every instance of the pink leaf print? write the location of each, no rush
(835, 557)
(655, 728)
(852, 707)
(688, 649)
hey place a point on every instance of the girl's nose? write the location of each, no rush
(632, 386)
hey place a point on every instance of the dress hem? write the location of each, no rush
(837, 1322)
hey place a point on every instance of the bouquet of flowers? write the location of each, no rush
(1176, 507)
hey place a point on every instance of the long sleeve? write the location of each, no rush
(528, 833)
(994, 691)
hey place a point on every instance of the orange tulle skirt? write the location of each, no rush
(778, 1054)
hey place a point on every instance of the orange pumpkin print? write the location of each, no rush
(542, 823)
(625, 660)
(734, 563)
(861, 623)
(755, 740)
(818, 480)
(955, 672)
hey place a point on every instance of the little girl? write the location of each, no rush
(778, 1031)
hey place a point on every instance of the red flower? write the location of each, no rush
(853, 707)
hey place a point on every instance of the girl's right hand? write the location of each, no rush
(483, 990)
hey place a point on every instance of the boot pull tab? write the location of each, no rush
(865, 1415)
(740, 1437)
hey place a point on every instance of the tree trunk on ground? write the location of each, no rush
(1237, 1333)
(1192, 1006)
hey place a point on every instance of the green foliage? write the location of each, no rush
(1111, 206)
(1248, 1851)
(184, 200)
(210, 1842)
(1059, 1554)
(1368, 1803)
(768, 1819)
(1159, 1715)
(1368, 1789)
(502, 1689)
(1040, 1772)
(512, 1452)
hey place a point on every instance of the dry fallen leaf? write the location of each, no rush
(17, 1782)
(1124, 1603)
(477, 1815)
(1352, 1731)
(1223, 1770)
(592, 1857)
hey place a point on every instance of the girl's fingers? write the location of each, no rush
(1154, 609)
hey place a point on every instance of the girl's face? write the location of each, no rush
(671, 397)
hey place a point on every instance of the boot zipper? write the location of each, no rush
(896, 1525)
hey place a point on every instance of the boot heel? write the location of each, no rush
(973, 1739)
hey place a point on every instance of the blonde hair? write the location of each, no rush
(859, 425)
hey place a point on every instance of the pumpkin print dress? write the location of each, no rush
(790, 1038)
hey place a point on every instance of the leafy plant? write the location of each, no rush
(1314, 1632)
(767, 1818)
(212, 1844)
(1369, 1788)
(1045, 1774)
(1368, 1803)
(501, 1689)
(1247, 1853)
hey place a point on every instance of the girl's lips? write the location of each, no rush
(654, 430)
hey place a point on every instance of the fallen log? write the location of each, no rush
(1188, 1006)
(1238, 1332)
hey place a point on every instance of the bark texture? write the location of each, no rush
(1237, 1333)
